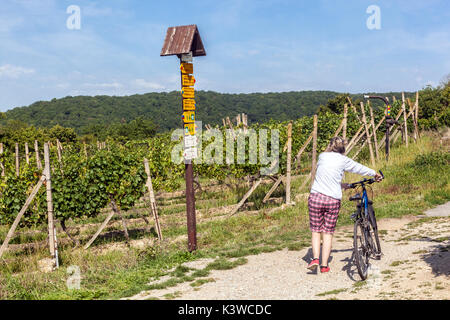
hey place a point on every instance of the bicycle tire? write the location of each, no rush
(361, 250)
(373, 224)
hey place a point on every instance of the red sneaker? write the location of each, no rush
(313, 264)
(324, 269)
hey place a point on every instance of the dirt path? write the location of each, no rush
(415, 265)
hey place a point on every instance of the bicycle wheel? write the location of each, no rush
(361, 249)
(374, 230)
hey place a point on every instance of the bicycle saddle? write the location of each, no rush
(355, 197)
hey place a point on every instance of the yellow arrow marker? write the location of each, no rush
(188, 92)
(187, 68)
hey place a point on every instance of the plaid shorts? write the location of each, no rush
(323, 212)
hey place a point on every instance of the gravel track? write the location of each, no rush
(415, 265)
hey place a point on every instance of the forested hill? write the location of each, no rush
(164, 109)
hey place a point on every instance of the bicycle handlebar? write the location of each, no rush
(364, 181)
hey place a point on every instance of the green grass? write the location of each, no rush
(108, 272)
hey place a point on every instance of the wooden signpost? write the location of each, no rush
(185, 43)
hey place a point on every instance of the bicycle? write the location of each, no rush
(365, 228)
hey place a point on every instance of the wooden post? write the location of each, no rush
(354, 140)
(364, 143)
(246, 196)
(85, 150)
(117, 210)
(20, 214)
(1, 162)
(314, 150)
(152, 199)
(17, 160)
(27, 157)
(372, 159)
(273, 188)
(302, 149)
(344, 128)
(416, 118)
(103, 225)
(38, 159)
(51, 223)
(354, 109)
(404, 119)
(374, 130)
(288, 164)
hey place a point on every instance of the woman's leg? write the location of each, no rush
(326, 248)
(315, 242)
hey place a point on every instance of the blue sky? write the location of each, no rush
(252, 46)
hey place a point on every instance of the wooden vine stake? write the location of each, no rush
(246, 196)
(372, 159)
(288, 164)
(344, 127)
(51, 223)
(21, 213)
(416, 118)
(38, 159)
(151, 195)
(374, 130)
(27, 156)
(404, 119)
(1, 162)
(17, 160)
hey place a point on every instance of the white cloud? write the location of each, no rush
(148, 85)
(10, 71)
(108, 85)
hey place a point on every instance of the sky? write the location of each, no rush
(251, 46)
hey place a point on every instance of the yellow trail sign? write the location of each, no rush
(187, 80)
(187, 68)
(188, 104)
(188, 116)
(189, 129)
(188, 92)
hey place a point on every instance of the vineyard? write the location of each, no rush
(91, 183)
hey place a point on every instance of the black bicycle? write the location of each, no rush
(366, 244)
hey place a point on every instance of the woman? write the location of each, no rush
(324, 200)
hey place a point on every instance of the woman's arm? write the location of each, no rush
(355, 167)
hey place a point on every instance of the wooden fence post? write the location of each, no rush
(38, 159)
(372, 159)
(344, 128)
(27, 157)
(1, 162)
(20, 214)
(152, 199)
(374, 130)
(405, 119)
(288, 164)
(416, 118)
(51, 223)
(17, 160)
(246, 196)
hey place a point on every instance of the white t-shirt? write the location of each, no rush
(330, 170)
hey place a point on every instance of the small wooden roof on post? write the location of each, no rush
(182, 40)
